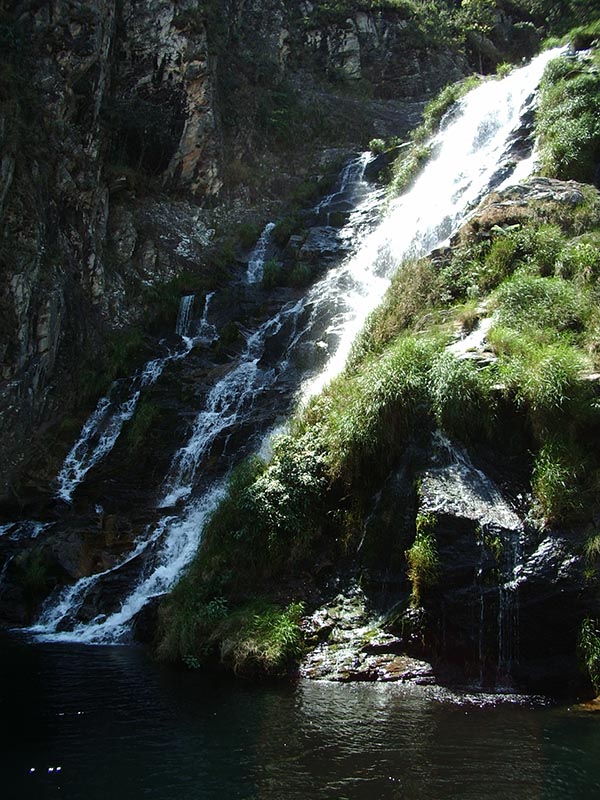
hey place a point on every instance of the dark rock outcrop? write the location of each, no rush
(108, 109)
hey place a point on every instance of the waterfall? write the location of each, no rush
(348, 189)
(508, 604)
(466, 155)
(455, 487)
(184, 316)
(102, 429)
(258, 256)
(306, 343)
(207, 333)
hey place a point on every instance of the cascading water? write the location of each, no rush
(229, 403)
(182, 326)
(102, 429)
(348, 189)
(314, 334)
(456, 488)
(256, 262)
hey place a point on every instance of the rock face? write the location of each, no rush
(120, 123)
(385, 49)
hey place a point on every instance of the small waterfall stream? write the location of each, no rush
(258, 256)
(304, 344)
(182, 326)
(102, 429)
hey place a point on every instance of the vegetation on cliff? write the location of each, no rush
(527, 263)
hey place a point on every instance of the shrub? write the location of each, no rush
(377, 146)
(285, 497)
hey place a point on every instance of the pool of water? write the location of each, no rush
(107, 722)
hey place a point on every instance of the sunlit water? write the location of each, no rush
(97, 723)
(313, 335)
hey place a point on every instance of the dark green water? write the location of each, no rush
(119, 727)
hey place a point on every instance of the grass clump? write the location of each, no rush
(422, 557)
(543, 379)
(568, 120)
(256, 638)
(262, 638)
(415, 291)
(527, 301)
(144, 420)
(461, 397)
(556, 481)
(382, 401)
(589, 650)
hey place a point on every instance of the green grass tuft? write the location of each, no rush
(422, 557)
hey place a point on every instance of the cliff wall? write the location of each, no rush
(122, 123)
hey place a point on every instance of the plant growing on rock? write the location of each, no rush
(567, 119)
(556, 481)
(422, 557)
(589, 649)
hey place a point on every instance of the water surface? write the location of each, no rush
(120, 726)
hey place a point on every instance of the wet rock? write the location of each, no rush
(349, 644)
(383, 160)
(322, 242)
(517, 204)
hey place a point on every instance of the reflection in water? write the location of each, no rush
(119, 726)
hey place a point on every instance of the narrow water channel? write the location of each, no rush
(106, 722)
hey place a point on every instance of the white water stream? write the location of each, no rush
(256, 262)
(102, 429)
(184, 317)
(318, 328)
